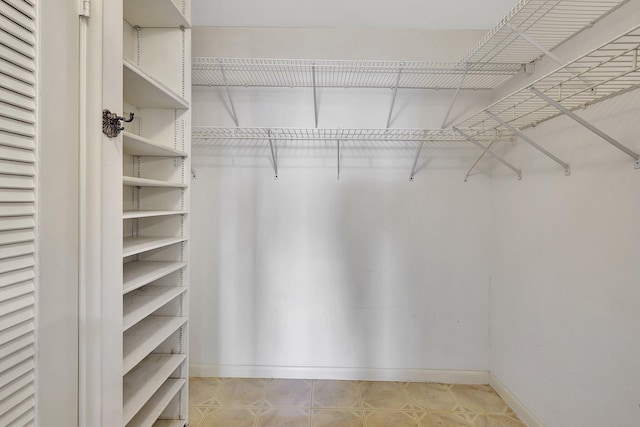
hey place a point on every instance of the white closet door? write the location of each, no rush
(17, 210)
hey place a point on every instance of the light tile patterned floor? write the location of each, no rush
(255, 402)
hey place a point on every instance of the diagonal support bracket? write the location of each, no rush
(315, 94)
(466, 177)
(455, 96)
(415, 161)
(273, 154)
(543, 50)
(489, 152)
(234, 116)
(338, 158)
(534, 43)
(393, 98)
(521, 135)
(635, 156)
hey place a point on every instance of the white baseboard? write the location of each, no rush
(522, 411)
(363, 374)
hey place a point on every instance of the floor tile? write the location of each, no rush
(497, 421)
(479, 399)
(226, 417)
(383, 395)
(336, 418)
(284, 417)
(335, 394)
(431, 397)
(253, 402)
(236, 392)
(288, 393)
(203, 390)
(196, 414)
(444, 419)
(511, 413)
(385, 418)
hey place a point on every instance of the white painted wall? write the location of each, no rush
(371, 273)
(335, 43)
(402, 14)
(564, 294)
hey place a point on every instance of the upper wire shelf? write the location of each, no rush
(600, 74)
(529, 29)
(255, 72)
(548, 22)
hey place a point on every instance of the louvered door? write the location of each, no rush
(17, 211)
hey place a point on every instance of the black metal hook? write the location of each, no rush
(111, 123)
(129, 120)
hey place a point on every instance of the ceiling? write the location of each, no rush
(397, 14)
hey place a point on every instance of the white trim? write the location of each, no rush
(523, 412)
(83, 198)
(36, 216)
(364, 374)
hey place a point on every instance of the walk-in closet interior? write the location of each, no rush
(319, 213)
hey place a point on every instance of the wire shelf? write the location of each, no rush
(548, 22)
(203, 136)
(254, 72)
(609, 70)
(496, 58)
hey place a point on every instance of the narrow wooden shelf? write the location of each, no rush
(144, 91)
(154, 13)
(133, 181)
(170, 423)
(150, 214)
(141, 339)
(140, 273)
(146, 379)
(144, 301)
(135, 145)
(150, 412)
(137, 245)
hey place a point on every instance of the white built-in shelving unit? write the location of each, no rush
(155, 212)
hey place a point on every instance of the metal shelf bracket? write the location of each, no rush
(455, 96)
(521, 135)
(635, 156)
(535, 44)
(273, 155)
(466, 177)
(234, 116)
(315, 94)
(544, 51)
(415, 161)
(395, 94)
(338, 160)
(489, 152)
